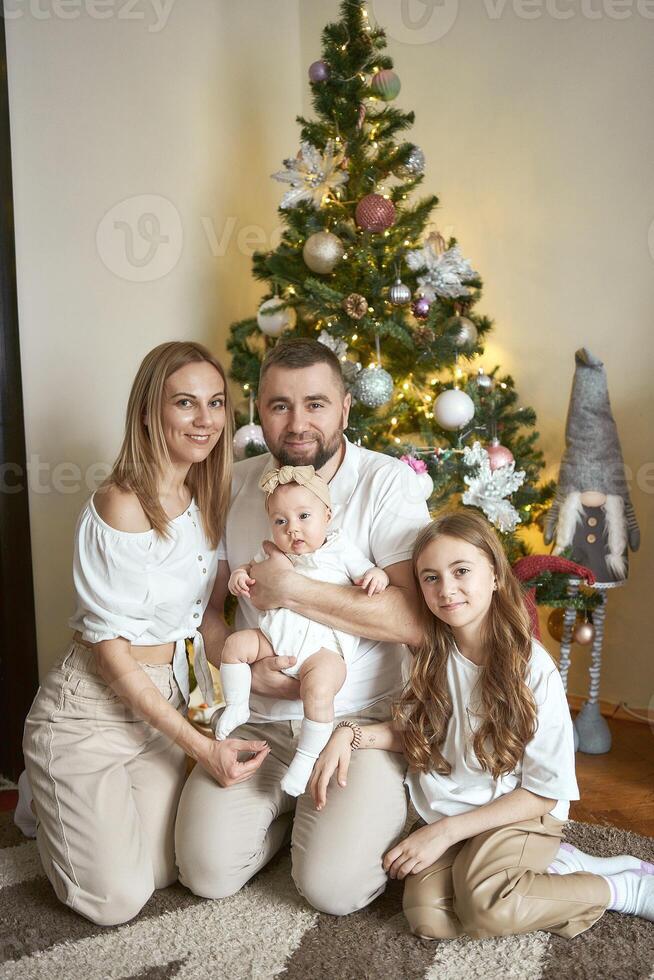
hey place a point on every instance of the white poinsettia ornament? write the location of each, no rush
(443, 274)
(488, 489)
(313, 175)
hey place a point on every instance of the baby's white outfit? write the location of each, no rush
(293, 635)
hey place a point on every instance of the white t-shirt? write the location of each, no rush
(378, 504)
(548, 764)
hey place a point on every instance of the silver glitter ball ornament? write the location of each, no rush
(413, 165)
(373, 387)
(322, 252)
(466, 335)
(399, 294)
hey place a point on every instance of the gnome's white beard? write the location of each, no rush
(572, 512)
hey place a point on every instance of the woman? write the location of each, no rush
(106, 738)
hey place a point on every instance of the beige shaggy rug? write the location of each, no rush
(267, 931)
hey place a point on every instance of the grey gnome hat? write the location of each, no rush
(593, 457)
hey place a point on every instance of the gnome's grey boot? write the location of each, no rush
(592, 730)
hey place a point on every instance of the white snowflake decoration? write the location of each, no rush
(338, 346)
(488, 489)
(312, 175)
(444, 274)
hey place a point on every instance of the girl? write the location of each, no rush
(485, 726)
(106, 738)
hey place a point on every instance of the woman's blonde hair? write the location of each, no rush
(144, 452)
(507, 704)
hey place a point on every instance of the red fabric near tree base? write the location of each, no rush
(533, 565)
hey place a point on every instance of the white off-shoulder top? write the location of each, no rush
(144, 587)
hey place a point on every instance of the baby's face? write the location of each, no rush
(298, 519)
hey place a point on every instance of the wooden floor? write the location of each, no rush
(618, 788)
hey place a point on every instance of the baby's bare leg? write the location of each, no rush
(321, 678)
(241, 649)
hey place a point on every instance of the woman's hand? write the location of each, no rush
(417, 851)
(335, 756)
(220, 759)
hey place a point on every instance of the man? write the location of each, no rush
(226, 834)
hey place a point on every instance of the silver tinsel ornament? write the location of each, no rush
(399, 294)
(413, 165)
(373, 387)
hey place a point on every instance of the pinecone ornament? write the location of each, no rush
(355, 306)
(424, 336)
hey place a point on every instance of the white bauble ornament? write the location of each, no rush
(373, 387)
(426, 484)
(453, 409)
(245, 435)
(322, 252)
(273, 320)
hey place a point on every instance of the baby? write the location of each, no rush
(298, 505)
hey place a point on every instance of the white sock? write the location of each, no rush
(570, 859)
(24, 815)
(314, 736)
(235, 680)
(632, 892)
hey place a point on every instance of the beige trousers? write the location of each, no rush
(495, 885)
(224, 836)
(106, 787)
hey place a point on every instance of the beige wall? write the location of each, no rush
(538, 142)
(198, 113)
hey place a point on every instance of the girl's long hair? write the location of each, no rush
(144, 453)
(506, 703)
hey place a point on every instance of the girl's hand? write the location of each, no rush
(240, 582)
(374, 581)
(417, 851)
(220, 759)
(336, 755)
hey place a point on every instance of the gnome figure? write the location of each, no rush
(592, 515)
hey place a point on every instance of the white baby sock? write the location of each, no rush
(632, 892)
(235, 680)
(569, 859)
(314, 736)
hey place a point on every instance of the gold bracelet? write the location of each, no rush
(357, 734)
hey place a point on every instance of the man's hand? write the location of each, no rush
(268, 680)
(419, 850)
(220, 759)
(272, 579)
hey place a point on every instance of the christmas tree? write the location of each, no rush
(359, 269)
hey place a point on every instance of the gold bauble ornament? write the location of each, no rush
(555, 624)
(322, 252)
(355, 306)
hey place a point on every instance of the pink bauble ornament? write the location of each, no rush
(375, 213)
(498, 455)
(583, 633)
(386, 84)
(420, 308)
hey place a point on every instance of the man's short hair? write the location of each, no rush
(301, 352)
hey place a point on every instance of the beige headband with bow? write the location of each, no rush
(304, 476)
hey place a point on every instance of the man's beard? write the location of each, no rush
(323, 452)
